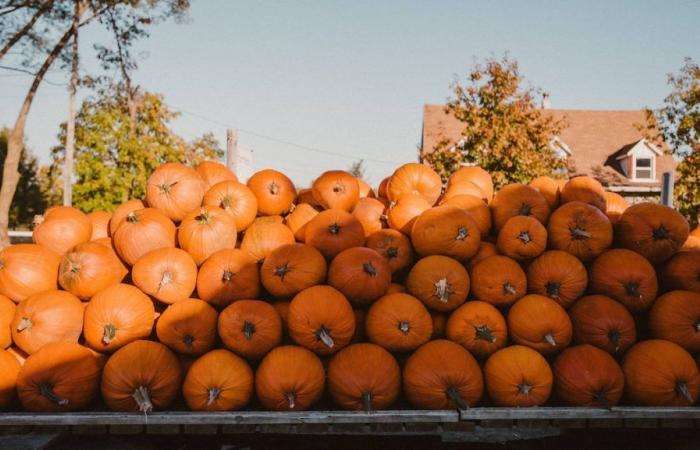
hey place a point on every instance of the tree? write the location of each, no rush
(357, 169)
(504, 130)
(112, 160)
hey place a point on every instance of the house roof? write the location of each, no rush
(592, 136)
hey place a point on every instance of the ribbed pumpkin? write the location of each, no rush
(250, 328)
(682, 271)
(518, 200)
(60, 377)
(100, 224)
(655, 231)
(51, 316)
(218, 381)
(584, 189)
(122, 211)
(615, 205)
(588, 376)
(205, 231)
(289, 378)
(364, 377)
(299, 218)
(558, 275)
(498, 280)
(601, 321)
(518, 376)
(415, 178)
(398, 322)
(463, 187)
(625, 276)
(234, 198)
(361, 274)
(336, 189)
(442, 375)
(292, 268)
(476, 175)
(549, 188)
(370, 213)
(27, 269)
(142, 231)
(479, 327)
(262, 238)
(440, 282)
(366, 190)
(486, 249)
(477, 209)
(167, 274)
(61, 228)
(274, 191)
(213, 173)
(116, 316)
(580, 229)
(393, 246)
(188, 327)
(381, 189)
(675, 317)
(446, 230)
(333, 231)
(403, 212)
(307, 196)
(660, 373)
(89, 268)
(226, 276)
(9, 369)
(540, 323)
(522, 238)
(141, 376)
(175, 190)
(321, 319)
(7, 313)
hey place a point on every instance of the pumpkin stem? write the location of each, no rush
(338, 188)
(24, 323)
(323, 335)
(462, 233)
(550, 339)
(74, 268)
(601, 398)
(443, 290)
(227, 276)
(697, 325)
(110, 331)
(484, 332)
(632, 289)
(213, 395)
(188, 340)
(38, 220)
(226, 202)
(142, 399)
(47, 391)
(579, 234)
(524, 388)
(282, 270)
(291, 397)
(661, 233)
(165, 187)
(404, 327)
(525, 209)
(524, 237)
(165, 280)
(682, 389)
(552, 289)
(369, 269)
(248, 330)
(204, 218)
(453, 393)
(132, 217)
(508, 288)
(334, 228)
(367, 401)
(392, 252)
(614, 336)
(273, 188)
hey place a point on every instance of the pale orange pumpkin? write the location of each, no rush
(234, 198)
(299, 218)
(274, 191)
(370, 213)
(403, 211)
(415, 178)
(584, 189)
(27, 269)
(262, 238)
(100, 224)
(175, 190)
(142, 231)
(518, 200)
(549, 188)
(167, 274)
(89, 268)
(122, 211)
(615, 205)
(61, 228)
(476, 175)
(213, 173)
(476, 208)
(336, 189)
(205, 231)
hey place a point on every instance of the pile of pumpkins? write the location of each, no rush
(227, 295)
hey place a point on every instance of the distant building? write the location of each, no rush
(604, 144)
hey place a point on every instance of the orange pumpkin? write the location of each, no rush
(299, 218)
(218, 381)
(393, 246)
(307, 196)
(167, 274)
(361, 274)
(89, 268)
(100, 224)
(446, 230)
(370, 213)
(601, 321)
(27, 269)
(540, 323)
(366, 190)
(282, 309)
(333, 231)
(250, 328)
(584, 189)
(675, 317)
(60, 377)
(205, 231)
(398, 322)
(234, 198)
(682, 271)
(336, 189)
(116, 316)
(141, 232)
(549, 188)
(557, 275)
(655, 231)
(440, 282)
(262, 238)
(7, 313)
(395, 288)
(51, 316)
(477, 209)
(213, 173)
(660, 373)
(382, 188)
(479, 327)
(518, 376)
(364, 377)
(691, 244)
(289, 378)
(226, 276)
(625, 276)
(404, 211)
(415, 178)
(62, 228)
(175, 190)
(615, 205)
(588, 376)
(580, 229)
(9, 369)
(321, 319)
(292, 268)
(522, 238)
(498, 280)
(486, 249)
(274, 191)
(518, 200)
(141, 376)
(188, 327)
(122, 211)
(476, 175)
(460, 188)
(19, 354)
(442, 375)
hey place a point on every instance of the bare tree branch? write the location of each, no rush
(25, 29)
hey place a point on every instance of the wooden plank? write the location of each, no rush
(641, 423)
(618, 413)
(677, 423)
(125, 429)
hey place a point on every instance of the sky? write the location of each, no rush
(317, 85)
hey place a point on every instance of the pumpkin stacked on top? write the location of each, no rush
(225, 294)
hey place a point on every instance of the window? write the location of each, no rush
(643, 168)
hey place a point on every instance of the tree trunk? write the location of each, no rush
(70, 127)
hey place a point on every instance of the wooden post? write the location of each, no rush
(667, 189)
(231, 148)
(70, 126)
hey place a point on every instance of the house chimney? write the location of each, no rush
(545, 101)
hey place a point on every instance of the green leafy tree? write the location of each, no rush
(504, 130)
(112, 160)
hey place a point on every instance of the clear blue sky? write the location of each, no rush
(352, 77)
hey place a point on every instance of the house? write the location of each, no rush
(604, 144)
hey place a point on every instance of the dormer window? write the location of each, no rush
(638, 161)
(644, 169)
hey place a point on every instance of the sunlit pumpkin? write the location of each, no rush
(381, 189)
(601, 321)
(291, 268)
(580, 229)
(615, 205)
(522, 238)
(588, 376)
(100, 224)
(361, 274)
(122, 211)
(218, 381)
(262, 238)
(27, 269)
(479, 327)
(464, 187)
(675, 317)
(584, 189)
(213, 173)
(476, 175)
(370, 213)
(498, 280)
(333, 231)
(446, 230)
(403, 212)
(398, 322)
(250, 328)
(274, 191)
(61, 228)
(518, 200)
(167, 274)
(175, 190)
(558, 275)
(625, 276)
(336, 189)
(477, 209)
(394, 246)
(366, 190)
(188, 327)
(89, 268)
(440, 282)
(205, 231)
(518, 376)
(226, 276)
(682, 271)
(415, 178)
(234, 198)
(299, 218)
(549, 188)
(142, 231)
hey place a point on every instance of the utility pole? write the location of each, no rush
(70, 126)
(231, 148)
